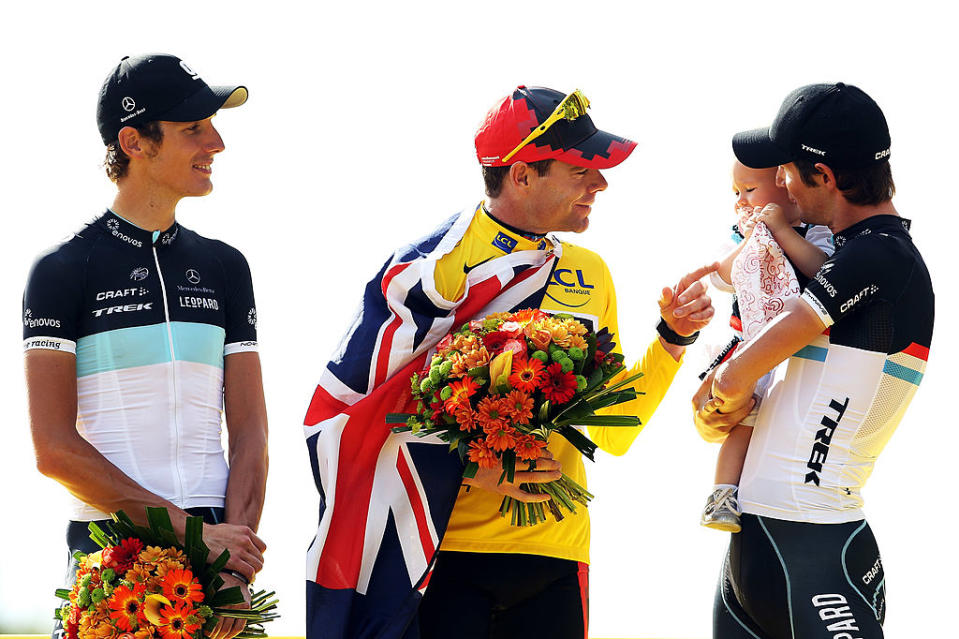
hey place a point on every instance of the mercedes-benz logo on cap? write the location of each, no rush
(192, 276)
(128, 104)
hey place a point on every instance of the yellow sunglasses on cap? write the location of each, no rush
(571, 107)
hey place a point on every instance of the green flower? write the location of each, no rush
(436, 361)
(445, 368)
(557, 354)
(426, 386)
(97, 595)
(85, 580)
(580, 383)
(541, 356)
(446, 393)
(435, 375)
(108, 575)
(566, 363)
(576, 354)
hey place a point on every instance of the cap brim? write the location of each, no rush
(601, 150)
(757, 151)
(205, 103)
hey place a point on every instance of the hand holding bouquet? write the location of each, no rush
(497, 388)
(145, 585)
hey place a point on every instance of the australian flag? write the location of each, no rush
(385, 498)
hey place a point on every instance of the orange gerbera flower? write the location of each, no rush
(492, 413)
(462, 391)
(482, 455)
(179, 585)
(578, 342)
(520, 406)
(527, 374)
(500, 437)
(528, 447)
(127, 607)
(575, 327)
(178, 624)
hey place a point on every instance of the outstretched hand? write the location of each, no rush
(547, 469)
(686, 308)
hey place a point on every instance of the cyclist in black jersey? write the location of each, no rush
(139, 332)
(806, 563)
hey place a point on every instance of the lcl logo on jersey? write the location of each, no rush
(192, 276)
(573, 282)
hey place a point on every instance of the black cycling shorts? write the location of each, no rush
(793, 580)
(502, 596)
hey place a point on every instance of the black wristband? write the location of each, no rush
(237, 575)
(672, 337)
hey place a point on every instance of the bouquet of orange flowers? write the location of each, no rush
(143, 584)
(498, 387)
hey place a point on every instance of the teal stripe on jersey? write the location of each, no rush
(902, 372)
(816, 353)
(146, 345)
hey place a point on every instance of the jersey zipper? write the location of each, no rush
(176, 401)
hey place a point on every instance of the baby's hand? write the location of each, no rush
(774, 217)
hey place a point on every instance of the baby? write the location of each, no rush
(775, 257)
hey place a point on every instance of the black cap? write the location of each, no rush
(158, 86)
(835, 124)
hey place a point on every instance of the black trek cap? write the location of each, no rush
(158, 86)
(835, 124)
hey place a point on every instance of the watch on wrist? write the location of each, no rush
(672, 337)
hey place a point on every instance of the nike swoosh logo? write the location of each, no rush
(467, 268)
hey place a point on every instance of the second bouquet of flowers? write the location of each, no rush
(499, 387)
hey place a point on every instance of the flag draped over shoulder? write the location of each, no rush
(385, 498)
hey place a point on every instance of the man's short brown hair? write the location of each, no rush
(865, 187)
(493, 176)
(117, 161)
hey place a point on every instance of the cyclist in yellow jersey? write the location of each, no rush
(492, 579)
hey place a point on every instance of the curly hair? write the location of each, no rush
(117, 161)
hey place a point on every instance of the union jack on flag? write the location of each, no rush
(385, 498)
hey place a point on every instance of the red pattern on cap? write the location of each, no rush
(511, 120)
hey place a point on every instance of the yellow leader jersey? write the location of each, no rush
(580, 286)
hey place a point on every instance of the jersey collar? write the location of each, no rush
(507, 238)
(885, 224)
(128, 233)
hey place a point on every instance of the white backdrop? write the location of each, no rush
(358, 134)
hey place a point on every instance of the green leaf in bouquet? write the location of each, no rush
(99, 537)
(602, 420)
(615, 387)
(595, 379)
(470, 471)
(544, 411)
(579, 441)
(617, 397)
(509, 466)
(479, 372)
(226, 597)
(63, 593)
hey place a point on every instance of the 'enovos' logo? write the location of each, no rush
(251, 317)
(128, 104)
(31, 322)
(139, 274)
(192, 276)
